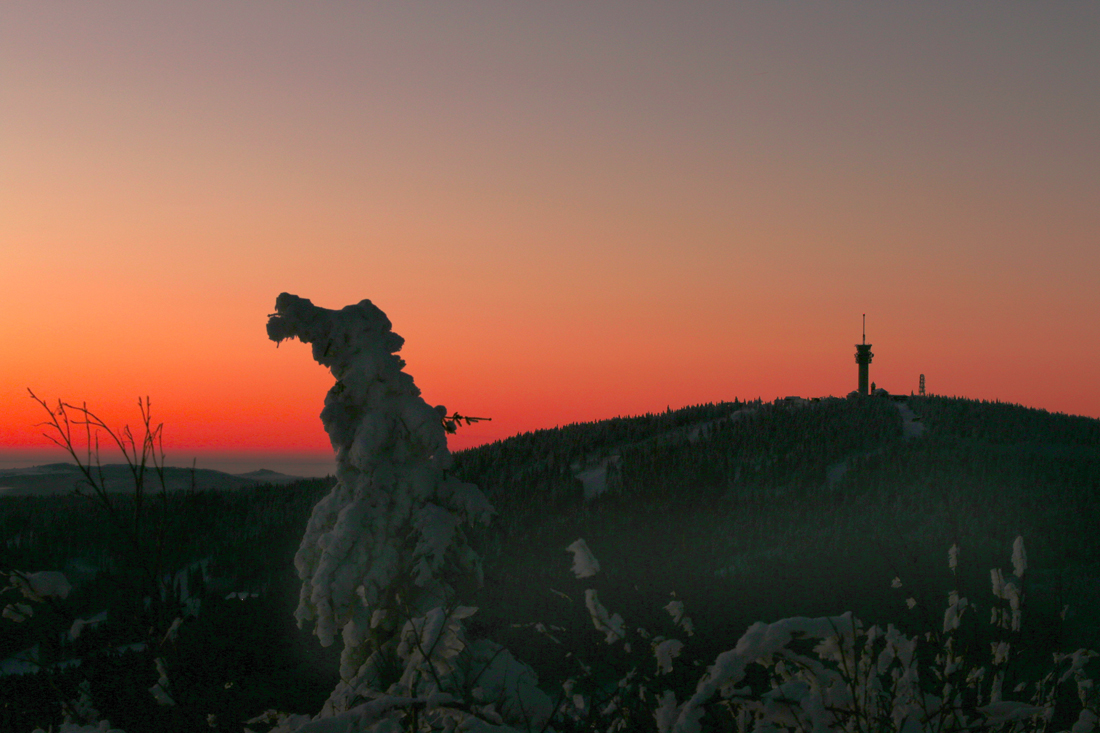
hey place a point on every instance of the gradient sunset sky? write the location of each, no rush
(569, 210)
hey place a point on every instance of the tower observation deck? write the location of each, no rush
(863, 359)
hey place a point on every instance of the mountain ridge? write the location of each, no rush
(55, 479)
(829, 498)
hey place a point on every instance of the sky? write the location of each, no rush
(570, 211)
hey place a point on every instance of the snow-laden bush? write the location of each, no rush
(382, 553)
(836, 674)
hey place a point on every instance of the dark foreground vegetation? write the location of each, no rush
(233, 656)
(744, 511)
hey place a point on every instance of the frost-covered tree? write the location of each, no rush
(384, 551)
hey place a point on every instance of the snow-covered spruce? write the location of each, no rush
(383, 549)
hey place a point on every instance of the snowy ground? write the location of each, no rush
(595, 479)
(911, 425)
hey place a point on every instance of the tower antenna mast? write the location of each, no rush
(863, 358)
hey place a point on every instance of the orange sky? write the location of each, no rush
(569, 211)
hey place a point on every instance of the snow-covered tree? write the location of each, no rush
(384, 551)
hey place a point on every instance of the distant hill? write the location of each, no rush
(55, 479)
(266, 476)
(802, 506)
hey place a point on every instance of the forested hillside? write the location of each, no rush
(745, 511)
(766, 511)
(235, 655)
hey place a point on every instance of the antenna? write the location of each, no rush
(863, 358)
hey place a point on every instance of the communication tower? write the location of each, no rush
(863, 358)
(922, 385)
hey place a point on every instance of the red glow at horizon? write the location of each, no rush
(570, 213)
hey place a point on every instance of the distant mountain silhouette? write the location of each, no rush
(55, 479)
(267, 476)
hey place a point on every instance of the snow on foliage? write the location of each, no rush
(761, 641)
(1019, 557)
(382, 550)
(666, 650)
(42, 585)
(585, 564)
(445, 677)
(394, 513)
(610, 625)
(875, 679)
(675, 609)
(35, 587)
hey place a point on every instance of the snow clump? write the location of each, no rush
(585, 564)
